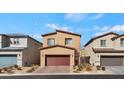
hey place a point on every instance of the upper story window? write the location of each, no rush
(68, 41)
(122, 41)
(15, 41)
(103, 43)
(50, 42)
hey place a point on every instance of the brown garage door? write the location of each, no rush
(55, 60)
(111, 60)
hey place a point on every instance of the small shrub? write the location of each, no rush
(5, 68)
(19, 68)
(98, 67)
(74, 67)
(79, 67)
(30, 70)
(83, 64)
(88, 68)
(16, 66)
(10, 71)
(2, 71)
(75, 71)
(11, 67)
(103, 68)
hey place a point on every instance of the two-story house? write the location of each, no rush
(106, 50)
(19, 49)
(60, 48)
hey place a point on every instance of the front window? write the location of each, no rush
(51, 42)
(15, 41)
(68, 41)
(103, 43)
(122, 41)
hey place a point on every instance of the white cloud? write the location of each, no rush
(117, 28)
(96, 16)
(105, 29)
(57, 26)
(101, 33)
(95, 27)
(36, 36)
(77, 17)
(52, 26)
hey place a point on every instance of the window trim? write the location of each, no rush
(104, 45)
(14, 41)
(50, 39)
(121, 42)
(17, 40)
(67, 39)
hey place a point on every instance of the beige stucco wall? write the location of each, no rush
(89, 52)
(60, 39)
(95, 57)
(22, 43)
(117, 43)
(56, 51)
(109, 42)
(31, 54)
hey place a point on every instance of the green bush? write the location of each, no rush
(16, 66)
(103, 68)
(98, 67)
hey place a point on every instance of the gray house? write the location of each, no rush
(19, 49)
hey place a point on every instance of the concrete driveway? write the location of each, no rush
(53, 69)
(115, 69)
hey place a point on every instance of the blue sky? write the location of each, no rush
(86, 24)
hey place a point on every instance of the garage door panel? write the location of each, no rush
(8, 60)
(111, 60)
(57, 60)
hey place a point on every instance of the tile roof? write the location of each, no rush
(91, 40)
(62, 31)
(107, 50)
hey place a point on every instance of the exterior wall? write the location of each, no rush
(117, 44)
(31, 42)
(31, 55)
(89, 52)
(56, 51)
(109, 42)
(4, 41)
(22, 42)
(94, 57)
(60, 40)
(18, 53)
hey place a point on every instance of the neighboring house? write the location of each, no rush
(106, 50)
(60, 48)
(18, 49)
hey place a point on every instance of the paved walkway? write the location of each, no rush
(65, 69)
(53, 69)
(115, 69)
